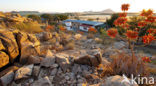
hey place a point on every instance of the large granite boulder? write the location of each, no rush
(10, 44)
(29, 45)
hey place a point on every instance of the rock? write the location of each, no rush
(119, 45)
(36, 71)
(91, 58)
(29, 45)
(63, 61)
(116, 81)
(49, 60)
(24, 72)
(46, 36)
(7, 79)
(1, 45)
(34, 60)
(10, 44)
(5, 71)
(42, 82)
(81, 84)
(4, 59)
(92, 78)
(76, 69)
(53, 72)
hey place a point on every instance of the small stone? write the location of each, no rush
(63, 61)
(42, 82)
(36, 71)
(24, 72)
(6, 79)
(54, 66)
(53, 72)
(49, 60)
(67, 77)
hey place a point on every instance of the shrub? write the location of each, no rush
(78, 36)
(70, 45)
(30, 27)
(90, 36)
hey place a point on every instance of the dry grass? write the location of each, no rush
(70, 45)
(78, 36)
(90, 36)
(104, 70)
(124, 64)
(30, 27)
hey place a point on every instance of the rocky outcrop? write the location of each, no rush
(28, 45)
(15, 44)
(9, 42)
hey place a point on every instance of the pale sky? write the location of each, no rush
(74, 5)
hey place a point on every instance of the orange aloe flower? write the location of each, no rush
(62, 28)
(125, 7)
(146, 59)
(147, 39)
(151, 31)
(120, 21)
(49, 27)
(91, 29)
(112, 32)
(132, 34)
(141, 24)
(150, 19)
(147, 13)
(122, 14)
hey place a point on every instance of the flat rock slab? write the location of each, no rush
(24, 72)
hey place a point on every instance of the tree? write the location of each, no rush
(110, 21)
(35, 17)
(63, 17)
(47, 17)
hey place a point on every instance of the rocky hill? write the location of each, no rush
(56, 59)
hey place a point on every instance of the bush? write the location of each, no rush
(90, 36)
(30, 27)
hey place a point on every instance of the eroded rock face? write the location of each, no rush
(29, 45)
(9, 42)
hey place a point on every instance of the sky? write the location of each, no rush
(74, 5)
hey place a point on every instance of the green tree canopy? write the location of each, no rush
(110, 21)
(35, 17)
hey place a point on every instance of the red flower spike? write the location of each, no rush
(147, 13)
(132, 34)
(151, 19)
(120, 21)
(146, 59)
(122, 14)
(125, 7)
(142, 24)
(147, 39)
(112, 32)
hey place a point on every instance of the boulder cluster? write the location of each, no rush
(36, 61)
